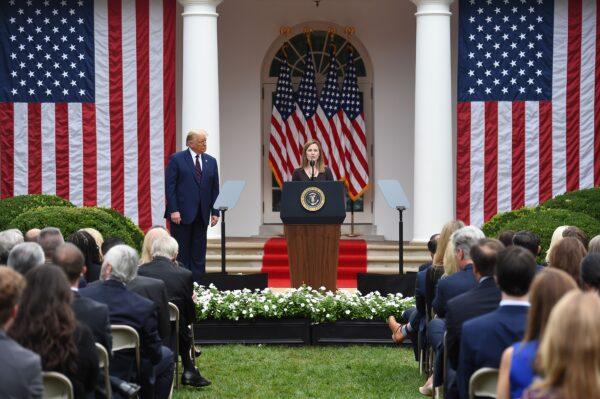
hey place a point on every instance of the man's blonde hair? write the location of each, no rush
(195, 132)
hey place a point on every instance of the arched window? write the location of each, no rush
(296, 49)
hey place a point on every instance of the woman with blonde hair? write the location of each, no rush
(151, 235)
(556, 237)
(569, 354)
(567, 255)
(450, 261)
(313, 165)
(517, 364)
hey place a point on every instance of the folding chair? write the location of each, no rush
(104, 365)
(56, 386)
(125, 337)
(174, 317)
(483, 382)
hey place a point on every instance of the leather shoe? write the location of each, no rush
(194, 379)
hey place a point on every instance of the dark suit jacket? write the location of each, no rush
(156, 291)
(127, 307)
(20, 371)
(420, 301)
(451, 286)
(85, 379)
(424, 266)
(93, 272)
(185, 193)
(300, 175)
(94, 315)
(179, 283)
(484, 338)
(480, 300)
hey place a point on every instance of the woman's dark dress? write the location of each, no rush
(300, 175)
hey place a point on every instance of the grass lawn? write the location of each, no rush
(239, 371)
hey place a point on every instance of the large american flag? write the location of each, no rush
(87, 101)
(528, 109)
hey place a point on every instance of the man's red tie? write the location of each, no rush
(198, 168)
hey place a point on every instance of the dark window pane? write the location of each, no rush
(276, 197)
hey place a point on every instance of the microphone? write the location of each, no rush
(312, 165)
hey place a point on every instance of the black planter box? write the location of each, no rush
(230, 282)
(373, 332)
(269, 331)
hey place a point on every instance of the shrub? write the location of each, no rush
(134, 231)
(541, 221)
(12, 207)
(69, 220)
(585, 201)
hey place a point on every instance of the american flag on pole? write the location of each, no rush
(329, 114)
(304, 126)
(284, 150)
(354, 131)
(528, 109)
(87, 101)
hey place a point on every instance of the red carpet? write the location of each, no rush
(352, 259)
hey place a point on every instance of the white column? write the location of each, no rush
(200, 84)
(433, 179)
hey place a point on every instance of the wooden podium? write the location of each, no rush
(312, 213)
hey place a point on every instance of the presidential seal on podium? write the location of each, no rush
(312, 199)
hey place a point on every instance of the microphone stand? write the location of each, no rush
(312, 173)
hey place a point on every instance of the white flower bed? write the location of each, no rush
(305, 302)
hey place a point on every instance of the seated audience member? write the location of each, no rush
(415, 315)
(576, 232)
(557, 235)
(20, 368)
(156, 291)
(32, 235)
(151, 235)
(8, 240)
(180, 285)
(517, 364)
(506, 238)
(484, 338)
(25, 256)
(567, 255)
(49, 239)
(590, 272)
(450, 262)
(109, 243)
(569, 352)
(126, 307)
(46, 325)
(531, 241)
(97, 237)
(481, 299)
(594, 245)
(91, 253)
(87, 311)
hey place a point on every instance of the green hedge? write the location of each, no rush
(134, 231)
(69, 220)
(542, 221)
(585, 201)
(12, 207)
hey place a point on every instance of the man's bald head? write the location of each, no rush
(71, 260)
(32, 235)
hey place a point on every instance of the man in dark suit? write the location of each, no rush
(156, 291)
(179, 284)
(482, 299)
(20, 368)
(192, 186)
(89, 312)
(126, 307)
(484, 338)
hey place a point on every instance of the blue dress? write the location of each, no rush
(521, 367)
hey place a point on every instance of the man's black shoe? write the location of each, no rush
(194, 379)
(128, 389)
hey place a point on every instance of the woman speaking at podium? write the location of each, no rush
(313, 167)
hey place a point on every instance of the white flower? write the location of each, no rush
(347, 311)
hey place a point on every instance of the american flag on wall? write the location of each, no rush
(87, 101)
(336, 120)
(528, 103)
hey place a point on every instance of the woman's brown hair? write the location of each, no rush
(45, 323)
(570, 349)
(567, 255)
(547, 288)
(320, 164)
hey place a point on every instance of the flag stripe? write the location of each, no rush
(75, 152)
(61, 120)
(477, 161)
(115, 66)
(7, 134)
(89, 154)
(169, 76)
(545, 145)
(573, 94)
(48, 148)
(463, 179)
(21, 153)
(586, 115)
(504, 156)
(491, 160)
(531, 144)
(518, 151)
(597, 102)
(34, 141)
